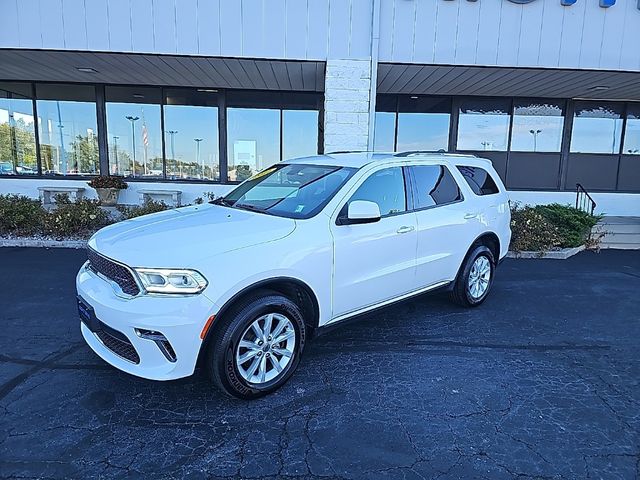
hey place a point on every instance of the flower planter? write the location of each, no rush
(108, 196)
(561, 254)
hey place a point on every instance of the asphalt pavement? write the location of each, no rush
(542, 381)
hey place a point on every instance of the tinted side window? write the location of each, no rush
(386, 188)
(479, 180)
(434, 185)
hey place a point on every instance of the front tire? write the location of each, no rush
(475, 278)
(257, 345)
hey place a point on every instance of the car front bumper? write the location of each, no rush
(180, 319)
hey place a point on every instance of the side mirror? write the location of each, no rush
(361, 211)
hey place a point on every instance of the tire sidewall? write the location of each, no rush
(225, 360)
(480, 251)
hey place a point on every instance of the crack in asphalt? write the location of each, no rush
(8, 386)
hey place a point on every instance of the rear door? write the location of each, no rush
(446, 226)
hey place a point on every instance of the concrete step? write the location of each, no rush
(620, 246)
(620, 227)
(619, 232)
(610, 237)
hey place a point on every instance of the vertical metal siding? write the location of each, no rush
(486, 32)
(97, 25)
(142, 38)
(497, 32)
(119, 18)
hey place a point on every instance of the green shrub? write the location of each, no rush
(531, 231)
(150, 206)
(73, 218)
(20, 215)
(574, 226)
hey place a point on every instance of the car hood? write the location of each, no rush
(180, 238)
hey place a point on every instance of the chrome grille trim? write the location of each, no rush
(115, 272)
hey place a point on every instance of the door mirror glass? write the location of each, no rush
(362, 211)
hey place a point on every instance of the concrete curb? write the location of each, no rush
(42, 243)
(561, 254)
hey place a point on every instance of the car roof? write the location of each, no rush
(360, 159)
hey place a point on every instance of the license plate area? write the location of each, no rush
(87, 315)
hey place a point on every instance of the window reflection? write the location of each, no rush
(384, 132)
(537, 126)
(17, 137)
(134, 133)
(67, 127)
(423, 123)
(597, 128)
(299, 133)
(483, 124)
(191, 135)
(632, 132)
(423, 131)
(253, 141)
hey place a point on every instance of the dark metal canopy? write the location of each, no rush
(161, 70)
(508, 81)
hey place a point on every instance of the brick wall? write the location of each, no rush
(346, 105)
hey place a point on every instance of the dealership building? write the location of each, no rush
(192, 96)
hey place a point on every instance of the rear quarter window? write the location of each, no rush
(479, 180)
(433, 185)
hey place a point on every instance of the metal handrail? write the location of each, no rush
(584, 201)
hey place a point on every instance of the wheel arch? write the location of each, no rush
(491, 241)
(488, 239)
(293, 288)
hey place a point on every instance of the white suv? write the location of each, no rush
(243, 282)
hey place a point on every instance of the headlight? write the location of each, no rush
(169, 280)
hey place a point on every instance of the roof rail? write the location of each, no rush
(347, 151)
(431, 152)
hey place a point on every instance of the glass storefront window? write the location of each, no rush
(484, 124)
(384, 132)
(134, 133)
(632, 131)
(17, 134)
(299, 133)
(68, 130)
(191, 135)
(253, 141)
(537, 126)
(423, 123)
(597, 128)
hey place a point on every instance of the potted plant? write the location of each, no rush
(108, 188)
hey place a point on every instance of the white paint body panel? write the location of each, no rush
(349, 268)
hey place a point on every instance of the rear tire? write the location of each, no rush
(257, 345)
(474, 280)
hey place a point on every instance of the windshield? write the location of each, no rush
(293, 191)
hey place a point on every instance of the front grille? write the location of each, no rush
(117, 342)
(113, 271)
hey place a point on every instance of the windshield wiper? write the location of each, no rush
(221, 201)
(248, 206)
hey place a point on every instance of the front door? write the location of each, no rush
(374, 262)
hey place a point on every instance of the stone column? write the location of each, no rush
(346, 105)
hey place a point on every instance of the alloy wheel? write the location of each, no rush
(266, 348)
(479, 277)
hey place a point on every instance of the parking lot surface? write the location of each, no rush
(542, 381)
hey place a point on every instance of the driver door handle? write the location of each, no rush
(470, 215)
(406, 229)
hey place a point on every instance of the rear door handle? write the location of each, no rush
(470, 215)
(405, 229)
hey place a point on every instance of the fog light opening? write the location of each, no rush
(160, 340)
